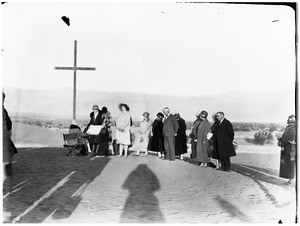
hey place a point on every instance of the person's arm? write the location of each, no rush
(127, 122)
(184, 125)
(175, 123)
(288, 137)
(230, 131)
(206, 131)
(149, 127)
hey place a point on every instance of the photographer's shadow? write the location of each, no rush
(141, 205)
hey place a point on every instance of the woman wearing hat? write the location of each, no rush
(157, 139)
(202, 141)
(213, 130)
(180, 139)
(193, 135)
(288, 151)
(144, 133)
(123, 129)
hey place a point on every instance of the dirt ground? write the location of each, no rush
(49, 187)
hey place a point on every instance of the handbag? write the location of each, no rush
(209, 136)
(235, 145)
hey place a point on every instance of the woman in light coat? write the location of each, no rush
(123, 129)
(144, 134)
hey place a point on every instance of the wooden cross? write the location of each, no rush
(75, 68)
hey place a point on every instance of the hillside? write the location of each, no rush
(238, 106)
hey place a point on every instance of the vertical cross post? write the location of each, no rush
(74, 80)
(75, 68)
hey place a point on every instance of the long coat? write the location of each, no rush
(287, 167)
(157, 140)
(193, 137)
(203, 142)
(180, 139)
(213, 130)
(224, 138)
(170, 126)
(9, 150)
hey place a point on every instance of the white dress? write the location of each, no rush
(143, 139)
(123, 122)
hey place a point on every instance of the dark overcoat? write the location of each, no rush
(8, 124)
(287, 167)
(213, 130)
(180, 139)
(170, 126)
(224, 139)
(157, 140)
(97, 121)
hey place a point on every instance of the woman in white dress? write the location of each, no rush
(123, 129)
(144, 134)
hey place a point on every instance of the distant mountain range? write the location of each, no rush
(238, 106)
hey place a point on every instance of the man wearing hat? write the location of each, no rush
(170, 131)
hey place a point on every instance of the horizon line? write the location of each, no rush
(166, 94)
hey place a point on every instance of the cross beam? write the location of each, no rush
(74, 69)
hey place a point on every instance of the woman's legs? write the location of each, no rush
(125, 150)
(217, 164)
(158, 155)
(120, 150)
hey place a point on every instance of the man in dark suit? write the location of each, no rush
(224, 139)
(170, 131)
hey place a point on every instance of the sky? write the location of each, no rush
(154, 48)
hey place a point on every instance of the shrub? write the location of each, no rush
(273, 128)
(262, 137)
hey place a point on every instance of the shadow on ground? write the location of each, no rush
(37, 172)
(260, 177)
(141, 205)
(231, 209)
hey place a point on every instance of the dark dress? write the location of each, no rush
(214, 128)
(102, 138)
(287, 167)
(180, 139)
(157, 140)
(8, 123)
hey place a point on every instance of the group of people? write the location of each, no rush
(100, 144)
(167, 136)
(214, 141)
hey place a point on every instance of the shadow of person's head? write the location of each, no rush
(141, 180)
(141, 205)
